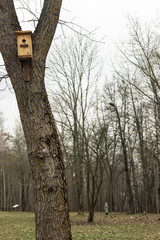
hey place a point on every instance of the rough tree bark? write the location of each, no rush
(44, 151)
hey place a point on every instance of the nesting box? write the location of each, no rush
(24, 44)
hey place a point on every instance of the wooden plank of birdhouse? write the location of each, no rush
(26, 71)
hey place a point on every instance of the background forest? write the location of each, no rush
(109, 127)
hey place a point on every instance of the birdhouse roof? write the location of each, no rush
(23, 32)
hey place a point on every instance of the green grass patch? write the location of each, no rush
(21, 226)
(17, 226)
(117, 227)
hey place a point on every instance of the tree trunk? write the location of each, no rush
(43, 145)
(4, 190)
(45, 156)
(91, 216)
(23, 200)
(78, 163)
(142, 155)
(125, 159)
(80, 190)
(112, 192)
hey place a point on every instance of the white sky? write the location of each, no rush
(109, 16)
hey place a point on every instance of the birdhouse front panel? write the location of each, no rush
(24, 44)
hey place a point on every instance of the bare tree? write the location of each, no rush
(120, 109)
(140, 68)
(73, 71)
(94, 167)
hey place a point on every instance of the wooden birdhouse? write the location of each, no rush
(24, 48)
(24, 44)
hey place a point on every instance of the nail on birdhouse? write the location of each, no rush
(24, 48)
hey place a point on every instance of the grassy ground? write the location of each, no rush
(20, 226)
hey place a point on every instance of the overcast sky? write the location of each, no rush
(109, 16)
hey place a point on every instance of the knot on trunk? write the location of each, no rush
(50, 189)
